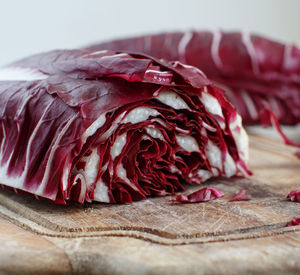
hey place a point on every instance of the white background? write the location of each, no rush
(31, 26)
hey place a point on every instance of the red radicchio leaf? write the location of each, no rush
(241, 196)
(293, 222)
(294, 196)
(202, 195)
(272, 117)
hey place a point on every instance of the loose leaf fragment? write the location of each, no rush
(293, 222)
(294, 196)
(241, 196)
(202, 195)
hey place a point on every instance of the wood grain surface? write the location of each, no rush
(158, 237)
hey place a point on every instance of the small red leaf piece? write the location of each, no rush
(297, 154)
(293, 222)
(241, 196)
(202, 195)
(294, 196)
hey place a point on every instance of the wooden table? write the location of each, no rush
(158, 237)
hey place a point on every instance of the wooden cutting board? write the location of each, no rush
(159, 237)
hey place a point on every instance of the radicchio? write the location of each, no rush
(294, 196)
(241, 196)
(202, 195)
(261, 76)
(113, 127)
(293, 222)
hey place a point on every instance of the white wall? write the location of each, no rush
(31, 26)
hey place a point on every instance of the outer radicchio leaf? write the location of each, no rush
(294, 196)
(202, 195)
(293, 222)
(241, 196)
